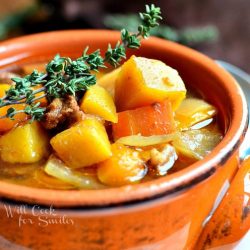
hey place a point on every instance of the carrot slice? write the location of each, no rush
(155, 119)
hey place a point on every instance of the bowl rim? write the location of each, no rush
(164, 186)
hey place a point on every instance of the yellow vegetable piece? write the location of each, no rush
(98, 101)
(124, 167)
(108, 81)
(143, 141)
(193, 110)
(84, 144)
(144, 81)
(24, 144)
(3, 88)
(56, 168)
(100, 73)
(196, 144)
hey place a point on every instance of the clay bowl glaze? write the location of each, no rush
(167, 212)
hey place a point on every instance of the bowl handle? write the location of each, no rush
(231, 220)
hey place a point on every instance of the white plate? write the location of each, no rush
(243, 79)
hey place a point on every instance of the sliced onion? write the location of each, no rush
(196, 144)
(143, 141)
(193, 111)
(51, 182)
(56, 168)
(202, 124)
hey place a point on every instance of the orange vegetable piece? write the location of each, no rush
(6, 124)
(124, 167)
(155, 119)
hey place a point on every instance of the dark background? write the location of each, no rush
(230, 17)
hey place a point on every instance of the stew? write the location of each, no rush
(137, 123)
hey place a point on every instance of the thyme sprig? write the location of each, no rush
(65, 76)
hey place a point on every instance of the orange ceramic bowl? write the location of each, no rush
(166, 213)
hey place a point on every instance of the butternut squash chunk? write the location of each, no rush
(144, 81)
(108, 81)
(24, 144)
(82, 145)
(98, 101)
(124, 167)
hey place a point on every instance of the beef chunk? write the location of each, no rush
(62, 112)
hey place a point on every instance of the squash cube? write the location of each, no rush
(98, 101)
(24, 144)
(124, 167)
(84, 144)
(144, 81)
(108, 80)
